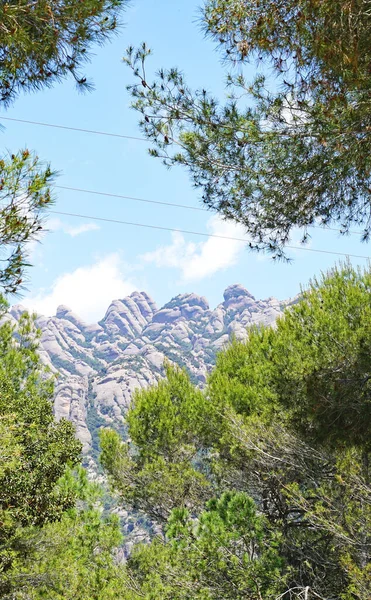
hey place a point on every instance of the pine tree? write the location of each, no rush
(41, 43)
(25, 196)
(74, 558)
(285, 421)
(45, 41)
(291, 149)
(35, 450)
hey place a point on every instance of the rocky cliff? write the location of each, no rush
(101, 365)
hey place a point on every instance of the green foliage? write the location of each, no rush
(323, 349)
(73, 558)
(315, 363)
(291, 150)
(43, 42)
(24, 197)
(274, 456)
(26, 390)
(245, 374)
(166, 415)
(10, 449)
(322, 39)
(294, 402)
(341, 506)
(227, 553)
(54, 541)
(42, 448)
(163, 423)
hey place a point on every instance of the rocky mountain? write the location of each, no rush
(101, 365)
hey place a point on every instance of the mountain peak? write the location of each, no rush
(66, 313)
(129, 315)
(236, 291)
(183, 306)
(62, 310)
(102, 365)
(189, 299)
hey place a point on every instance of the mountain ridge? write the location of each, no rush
(100, 365)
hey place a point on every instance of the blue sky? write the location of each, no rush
(86, 264)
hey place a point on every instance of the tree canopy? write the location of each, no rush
(272, 457)
(257, 486)
(289, 149)
(45, 41)
(227, 553)
(55, 541)
(76, 556)
(35, 450)
(25, 196)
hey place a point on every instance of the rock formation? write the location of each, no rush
(100, 366)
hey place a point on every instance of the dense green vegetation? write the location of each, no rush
(35, 450)
(54, 540)
(290, 148)
(75, 557)
(258, 487)
(261, 482)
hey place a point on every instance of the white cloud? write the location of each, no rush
(87, 291)
(34, 247)
(58, 225)
(85, 227)
(199, 260)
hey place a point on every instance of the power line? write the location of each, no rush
(140, 139)
(208, 235)
(342, 231)
(117, 135)
(109, 195)
(128, 137)
(173, 204)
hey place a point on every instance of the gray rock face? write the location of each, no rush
(101, 366)
(127, 317)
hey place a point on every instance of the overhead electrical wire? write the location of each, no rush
(118, 135)
(174, 204)
(141, 139)
(110, 195)
(188, 232)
